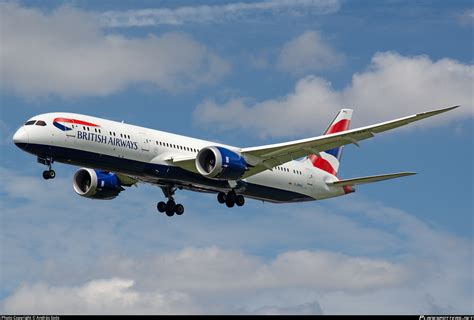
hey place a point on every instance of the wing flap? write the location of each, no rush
(369, 179)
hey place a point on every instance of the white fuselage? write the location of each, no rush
(145, 154)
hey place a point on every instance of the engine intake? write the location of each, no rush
(220, 163)
(96, 184)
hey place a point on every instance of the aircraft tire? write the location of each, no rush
(46, 175)
(221, 197)
(170, 205)
(179, 209)
(230, 196)
(239, 200)
(229, 203)
(52, 174)
(161, 206)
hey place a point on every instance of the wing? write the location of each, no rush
(266, 157)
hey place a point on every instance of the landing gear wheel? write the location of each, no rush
(229, 202)
(239, 200)
(46, 175)
(230, 196)
(161, 206)
(52, 174)
(170, 205)
(179, 209)
(221, 197)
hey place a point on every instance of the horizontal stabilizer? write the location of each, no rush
(369, 179)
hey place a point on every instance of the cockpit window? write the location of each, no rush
(29, 123)
(40, 123)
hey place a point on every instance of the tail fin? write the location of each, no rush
(329, 160)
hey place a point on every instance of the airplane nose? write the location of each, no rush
(20, 137)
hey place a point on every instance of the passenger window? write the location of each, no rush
(40, 123)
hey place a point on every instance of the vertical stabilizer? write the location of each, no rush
(329, 160)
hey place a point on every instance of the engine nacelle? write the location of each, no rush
(220, 163)
(96, 184)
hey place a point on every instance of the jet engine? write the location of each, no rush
(220, 163)
(96, 184)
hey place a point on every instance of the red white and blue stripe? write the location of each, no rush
(60, 123)
(329, 159)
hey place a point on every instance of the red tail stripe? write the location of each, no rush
(74, 121)
(348, 189)
(322, 164)
(339, 126)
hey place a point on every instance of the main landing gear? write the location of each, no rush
(231, 198)
(170, 207)
(47, 174)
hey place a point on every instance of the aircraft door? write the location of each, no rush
(144, 142)
(73, 132)
(309, 177)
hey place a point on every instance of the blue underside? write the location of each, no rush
(158, 174)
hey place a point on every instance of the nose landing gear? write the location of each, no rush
(47, 174)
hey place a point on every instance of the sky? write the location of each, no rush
(243, 73)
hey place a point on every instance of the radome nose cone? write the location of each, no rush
(20, 136)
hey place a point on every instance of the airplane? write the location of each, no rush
(114, 155)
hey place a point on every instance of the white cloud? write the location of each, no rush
(67, 53)
(308, 52)
(467, 17)
(174, 282)
(392, 86)
(213, 269)
(215, 13)
(82, 256)
(102, 296)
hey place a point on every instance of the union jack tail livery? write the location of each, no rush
(329, 160)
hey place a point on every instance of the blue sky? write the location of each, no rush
(244, 73)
